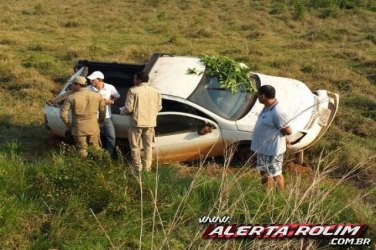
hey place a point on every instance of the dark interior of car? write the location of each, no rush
(118, 74)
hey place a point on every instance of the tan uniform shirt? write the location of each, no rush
(85, 106)
(143, 104)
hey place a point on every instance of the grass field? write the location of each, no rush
(51, 199)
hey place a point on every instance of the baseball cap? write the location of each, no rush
(96, 75)
(80, 80)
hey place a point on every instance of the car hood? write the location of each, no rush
(293, 95)
(169, 75)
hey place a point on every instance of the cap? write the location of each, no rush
(96, 75)
(80, 80)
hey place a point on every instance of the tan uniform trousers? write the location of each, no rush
(135, 135)
(85, 140)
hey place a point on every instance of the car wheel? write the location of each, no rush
(68, 138)
(123, 145)
(245, 155)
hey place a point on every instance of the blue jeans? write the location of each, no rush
(108, 130)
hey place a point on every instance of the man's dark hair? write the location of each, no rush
(141, 75)
(268, 91)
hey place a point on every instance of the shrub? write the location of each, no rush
(278, 8)
(94, 181)
(328, 12)
(299, 10)
(162, 16)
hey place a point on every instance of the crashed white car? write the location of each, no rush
(199, 118)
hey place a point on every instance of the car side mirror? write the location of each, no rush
(205, 129)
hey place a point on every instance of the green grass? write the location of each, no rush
(326, 44)
(65, 202)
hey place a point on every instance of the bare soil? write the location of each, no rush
(296, 168)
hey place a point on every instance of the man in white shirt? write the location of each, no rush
(109, 95)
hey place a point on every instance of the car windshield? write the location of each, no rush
(210, 95)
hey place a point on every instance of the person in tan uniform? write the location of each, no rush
(143, 103)
(85, 106)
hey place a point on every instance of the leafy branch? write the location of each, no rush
(229, 73)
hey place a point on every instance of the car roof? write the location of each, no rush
(169, 75)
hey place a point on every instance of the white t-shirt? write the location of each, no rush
(106, 92)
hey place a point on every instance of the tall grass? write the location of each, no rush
(72, 203)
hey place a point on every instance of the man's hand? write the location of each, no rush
(109, 101)
(288, 143)
(286, 130)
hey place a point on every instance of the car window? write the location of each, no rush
(210, 95)
(175, 106)
(177, 124)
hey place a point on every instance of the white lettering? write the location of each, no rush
(214, 219)
(256, 230)
(350, 241)
(227, 231)
(338, 230)
(327, 229)
(359, 241)
(317, 230)
(332, 242)
(270, 230)
(203, 219)
(218, 230)
(350, 229)
(283, 230)
(341, 241)
(302, 230)
(243, 230)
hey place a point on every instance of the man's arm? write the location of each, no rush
(282, 120)
(129, 103)
(159, 102)
(114, 96)
(102, 110)
(286, 130)
(64, 113)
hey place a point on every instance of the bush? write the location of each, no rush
(299, 10)
(94, 181)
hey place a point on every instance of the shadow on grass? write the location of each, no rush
(29, 140)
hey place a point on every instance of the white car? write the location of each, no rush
(199, 118)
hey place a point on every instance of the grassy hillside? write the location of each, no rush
(326, 44)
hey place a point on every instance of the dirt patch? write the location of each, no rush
(211, 169)
(298, 169)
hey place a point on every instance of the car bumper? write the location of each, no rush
(326, 110)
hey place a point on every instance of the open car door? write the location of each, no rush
(52, 107)
(184, 137)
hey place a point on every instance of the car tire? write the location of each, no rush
(68, 137)
(245, 155)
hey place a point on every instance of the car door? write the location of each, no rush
(53, 121)
(121, 124)
(183, 137)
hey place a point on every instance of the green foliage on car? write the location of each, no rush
(231, 74)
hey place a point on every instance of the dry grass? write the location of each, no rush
(301, 202)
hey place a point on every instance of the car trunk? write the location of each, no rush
(118, 74)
